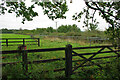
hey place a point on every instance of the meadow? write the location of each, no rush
(37, 70)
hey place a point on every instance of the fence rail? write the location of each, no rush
(69, 53)
(16, 38)
(23, 41)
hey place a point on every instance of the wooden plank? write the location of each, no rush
(18, 44)
(103, 57)
(15, 41)
(96, 58)
(18, 41)
(34, 50)
(94, 53)
(37, 61)
(92, 47)
(44, 50)
(17, 38)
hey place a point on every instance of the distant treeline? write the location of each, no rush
(6, 31)
(63, 30)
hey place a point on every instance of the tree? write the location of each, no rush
(68, 28)
(49, 29)
(110, 11)
(54, 10)
(41, 30)
(5, 30)
(62, 29)
(92, 27)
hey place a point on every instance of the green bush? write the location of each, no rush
(111, 71)
(13, 72)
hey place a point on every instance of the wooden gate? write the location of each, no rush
(69, 52)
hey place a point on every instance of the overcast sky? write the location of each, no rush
(42, 21)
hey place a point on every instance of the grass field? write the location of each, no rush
(38, 69)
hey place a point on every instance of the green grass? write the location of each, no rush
(47, 43)
(14, 36)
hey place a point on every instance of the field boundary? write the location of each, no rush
(6, 40)
(69, 53)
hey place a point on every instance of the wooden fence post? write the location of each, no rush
(38, 42)
(23, 41)
(24, 60)
(68, 61)
(6, 42)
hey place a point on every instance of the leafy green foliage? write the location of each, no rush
(89, 20)
(15, 72)
(6, 31)
(50, 29)
(114, 35)
(21, 9)
(93, 27)
(110, 71)
(53, 10)
(68, 28)
(110, 11)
